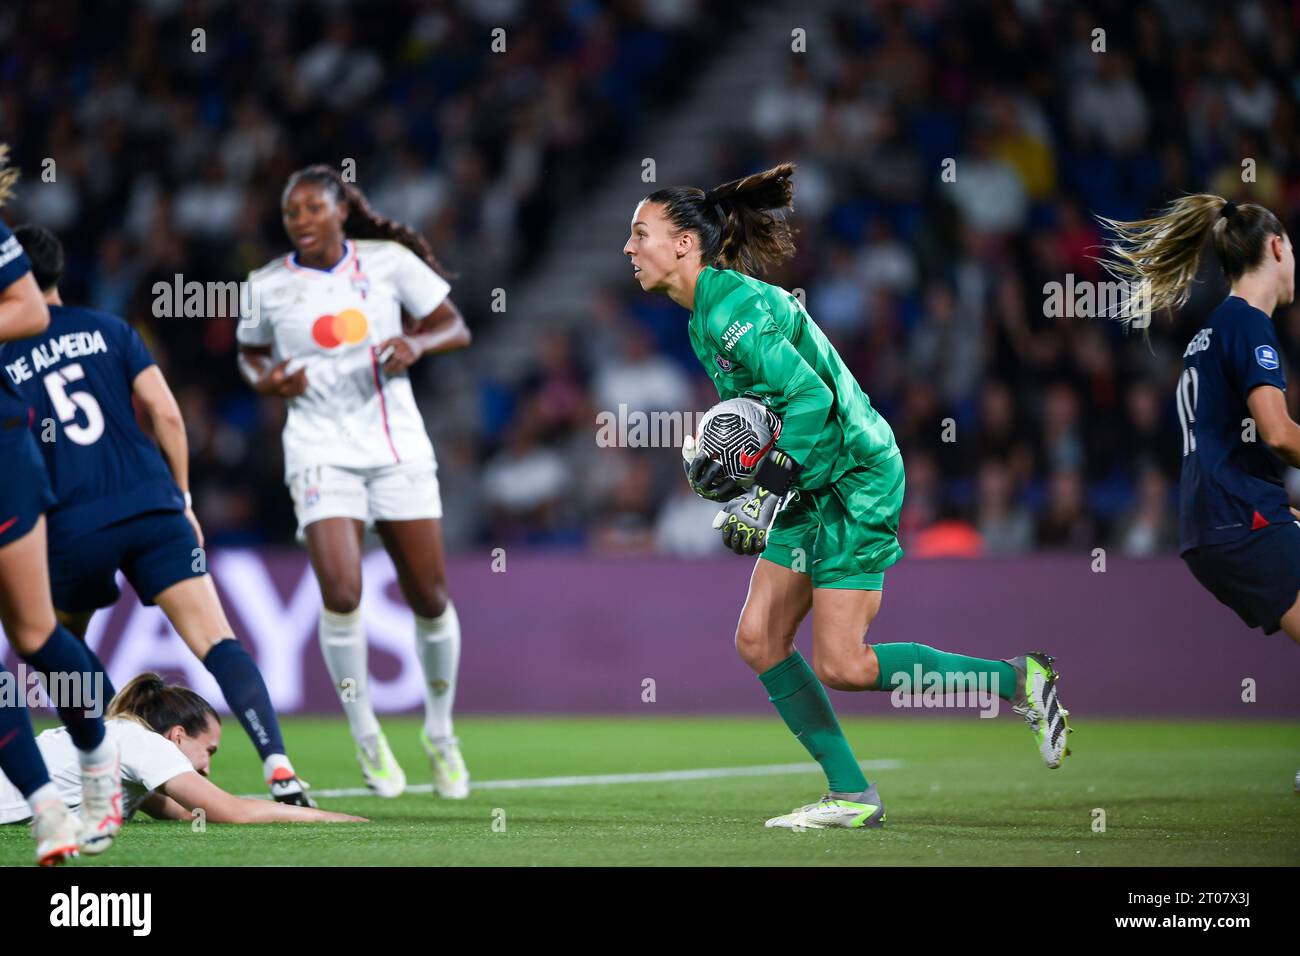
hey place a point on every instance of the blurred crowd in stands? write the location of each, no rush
(1020, 431)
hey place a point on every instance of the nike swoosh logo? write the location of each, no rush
(10, 523)
(749, 461)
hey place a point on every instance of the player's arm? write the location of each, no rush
(442, 330)
(744, 521)
(268, 377)
(1273, 422)
(773, 360)
(155, 397)
(191, 791)
(255, 360)
(23, 311)
(776, 362)
(161, 807)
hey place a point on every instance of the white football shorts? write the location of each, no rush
(405, 491)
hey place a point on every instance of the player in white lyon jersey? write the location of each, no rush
(167, 737)
(332, 328)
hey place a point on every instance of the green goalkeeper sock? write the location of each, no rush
(802, 703)
(898, 661)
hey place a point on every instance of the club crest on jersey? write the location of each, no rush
(1266, 356)
(723, 363)
(360, 283)
(347, 328)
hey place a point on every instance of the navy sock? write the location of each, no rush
(109, 690)
(242, 685)
(20, 758)
(64, 655)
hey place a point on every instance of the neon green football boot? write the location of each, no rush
(380, 768)
(850, 811)
(450, 777)
(1037, 703)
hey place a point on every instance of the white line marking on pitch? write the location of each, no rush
(599, 779)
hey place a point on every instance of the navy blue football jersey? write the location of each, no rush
(1232, 482)
(14, 264)
(77, 377)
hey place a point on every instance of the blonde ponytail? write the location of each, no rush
(1163, 253)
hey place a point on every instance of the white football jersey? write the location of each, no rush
(332, 322)
(148, 761)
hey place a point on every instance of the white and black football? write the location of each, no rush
(738, 433)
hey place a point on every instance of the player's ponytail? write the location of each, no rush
(741, 223)
(1163, 252)
(148, 699)
(8, 175)
(363, 222)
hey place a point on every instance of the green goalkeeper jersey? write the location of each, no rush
(756, 339)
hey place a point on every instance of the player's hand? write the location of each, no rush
(280, 383)
(706, 476)
(744, 521)
(194, 523)
(397, 354)
(333, 816)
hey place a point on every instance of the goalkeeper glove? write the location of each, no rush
(744, 522)
(706, 476)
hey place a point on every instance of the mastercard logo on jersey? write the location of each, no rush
(347, 328)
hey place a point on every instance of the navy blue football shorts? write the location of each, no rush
(1258, 576)
(154, 550)
(25, 492)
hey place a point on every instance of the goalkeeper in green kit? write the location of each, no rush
(823, 509)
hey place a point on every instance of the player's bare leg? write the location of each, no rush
(334, 545)
(195, 611)
(27, 614)
(777, 603)
(1291, 621)
(841, 657)
(26, 608)
(417, 553)
(56, 829)
(1291, 626)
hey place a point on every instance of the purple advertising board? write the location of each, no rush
(572, 632)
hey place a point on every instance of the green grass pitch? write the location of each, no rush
(966, 791)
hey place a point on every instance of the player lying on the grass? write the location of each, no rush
(829, 547)
(1237, 531)
(122, 503)
(26, 612)
(167, 736)
(338, 324)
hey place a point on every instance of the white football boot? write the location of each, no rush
(450, 777)
(1037, 703)
(380, 768)
(56, 829)
(101, 804)
(850, 811)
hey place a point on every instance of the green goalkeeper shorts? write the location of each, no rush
(846, 534)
